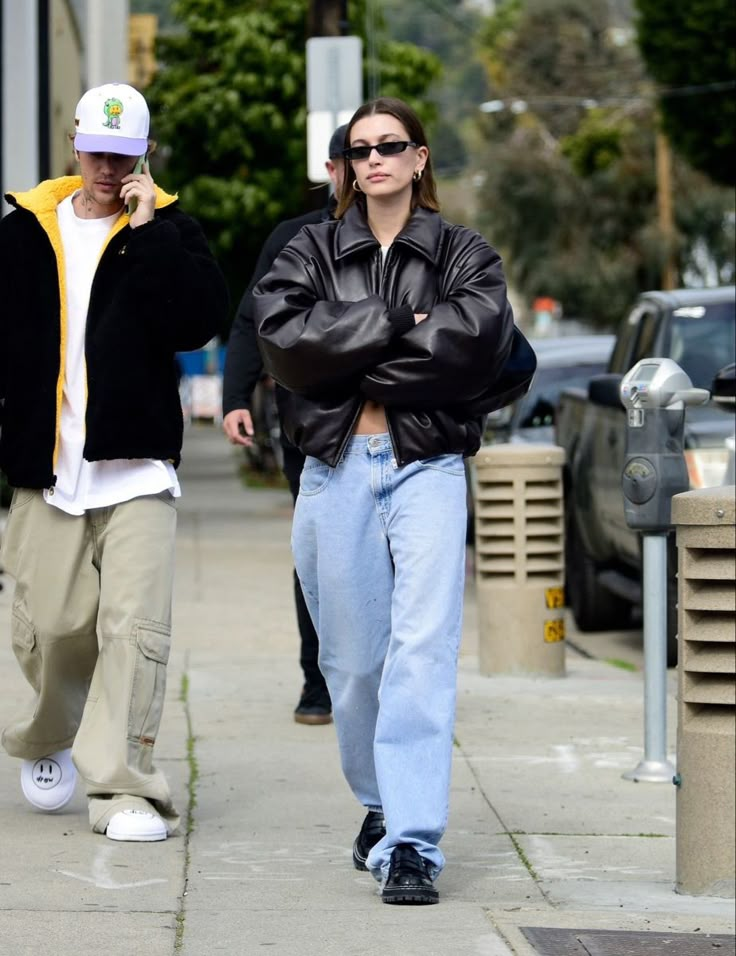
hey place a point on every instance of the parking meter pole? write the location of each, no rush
(655, 392)
(655, 767)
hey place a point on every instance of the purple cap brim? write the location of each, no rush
(109, 143)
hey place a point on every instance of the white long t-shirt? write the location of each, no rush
(80, 484)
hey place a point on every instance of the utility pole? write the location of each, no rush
(664, 208)
(327, 18)
(334, 79)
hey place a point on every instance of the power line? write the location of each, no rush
(519, 104)
(441, 10)
(695, 90)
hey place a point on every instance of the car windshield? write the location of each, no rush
(702, 341)
(537, 408)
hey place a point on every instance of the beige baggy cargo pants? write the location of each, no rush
(91, 629)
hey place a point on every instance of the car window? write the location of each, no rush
(539, 405)
(647, 334)
(636, 338)
(625, 342)
(701, 340)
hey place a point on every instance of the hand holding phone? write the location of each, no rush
(137, 169)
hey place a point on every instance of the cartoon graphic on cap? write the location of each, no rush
(113, 108)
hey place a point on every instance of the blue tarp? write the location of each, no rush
(206, 361)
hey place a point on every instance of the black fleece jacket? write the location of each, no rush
(157, 290)
(243, 362)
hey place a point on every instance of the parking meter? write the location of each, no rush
(655, 393)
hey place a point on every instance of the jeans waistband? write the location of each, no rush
(371, 444)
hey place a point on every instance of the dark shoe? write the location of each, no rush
(373, 830)
(408, 878)
(314, 706)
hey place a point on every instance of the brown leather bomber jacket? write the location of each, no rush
(336, 327)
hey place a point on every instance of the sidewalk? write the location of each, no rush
(543, 830)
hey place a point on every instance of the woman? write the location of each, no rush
(390, 327)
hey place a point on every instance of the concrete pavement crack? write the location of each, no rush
(191, 802)
(512, 835)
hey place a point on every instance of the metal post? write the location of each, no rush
(326, 18)
(44, 90)
(374, 80)
(655, 767)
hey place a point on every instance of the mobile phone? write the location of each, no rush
(138, 168)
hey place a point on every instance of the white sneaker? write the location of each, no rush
(136, 826)
(48, 783)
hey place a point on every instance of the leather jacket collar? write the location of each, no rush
(422, 233)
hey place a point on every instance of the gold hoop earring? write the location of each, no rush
(356, 187)
(417, 175)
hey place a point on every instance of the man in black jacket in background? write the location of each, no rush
(243, 370)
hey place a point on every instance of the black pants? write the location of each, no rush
(308, 656)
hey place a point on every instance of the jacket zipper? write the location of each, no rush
(394, 444)
(354, 422)
(349, 433)
(384, 264)
(384, 269)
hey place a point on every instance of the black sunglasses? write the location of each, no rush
(383, 149)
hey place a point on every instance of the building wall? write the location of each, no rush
(65, 71)
(87, 43)
(141, 51)
(20, 160)
(106, 36)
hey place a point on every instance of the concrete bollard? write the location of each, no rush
(706, 804)
(519, 558)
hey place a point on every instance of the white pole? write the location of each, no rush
(107, 42)
(20, 97)
(655, 767)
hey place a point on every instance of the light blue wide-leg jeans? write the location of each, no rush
(380, 552)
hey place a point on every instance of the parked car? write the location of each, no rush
(564, 361)
(567, 361)
(695, 328)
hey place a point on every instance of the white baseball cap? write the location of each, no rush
(112, 119)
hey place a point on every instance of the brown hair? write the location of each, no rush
(424, 192)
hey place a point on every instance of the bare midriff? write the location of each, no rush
(372, 420)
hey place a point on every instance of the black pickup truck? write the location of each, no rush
(696, 328)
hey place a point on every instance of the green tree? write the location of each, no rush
(229, 114)
(558, 56)
(690, 49)
(569, 192)
(579, 222)
(449, 29)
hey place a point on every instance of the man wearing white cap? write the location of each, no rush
(103, 279)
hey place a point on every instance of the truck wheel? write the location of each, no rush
(593, 607)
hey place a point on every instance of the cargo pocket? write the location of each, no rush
(152, 641)
(13, 540)
(23, 637)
